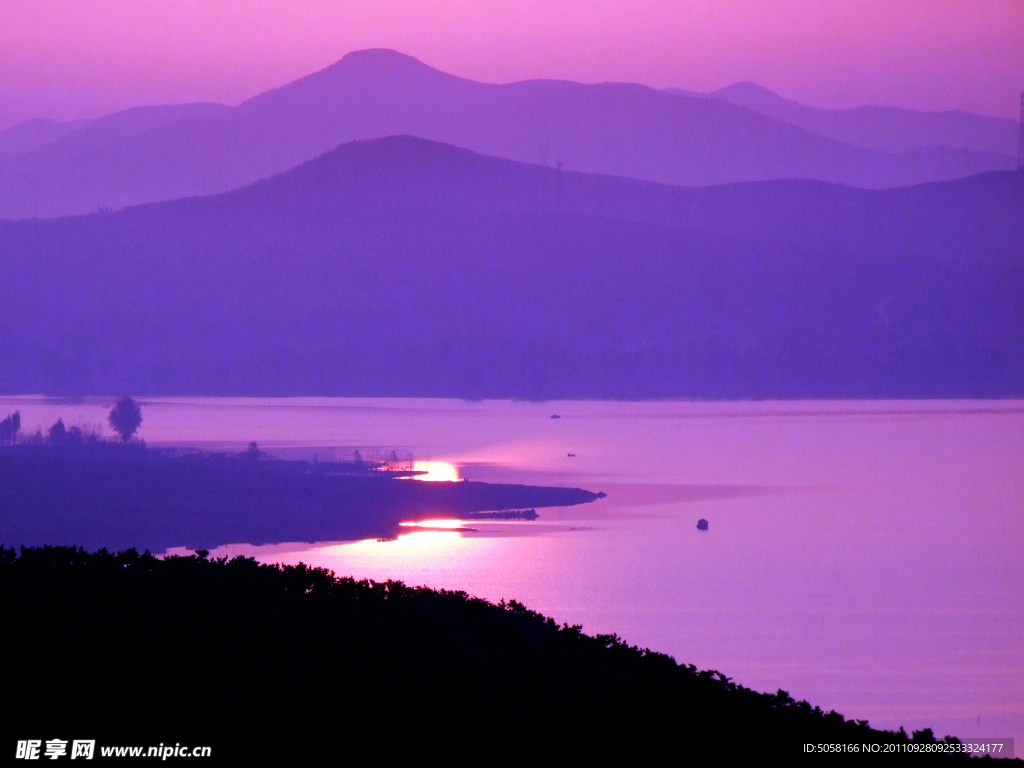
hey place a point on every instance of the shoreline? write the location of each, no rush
(255, 660)
(119, 497)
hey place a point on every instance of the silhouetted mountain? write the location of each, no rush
(619, 129)
(406, 267)
(885, 128)
(138, 121)
(30, 134)
(140, 154)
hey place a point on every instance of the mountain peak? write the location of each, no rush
(380, 58)
(746, 89)
(373, 67)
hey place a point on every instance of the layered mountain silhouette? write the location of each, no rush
(35, 133)
(402, 266)
(618, 129)
(886, 128)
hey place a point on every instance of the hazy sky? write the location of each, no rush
(82, 58)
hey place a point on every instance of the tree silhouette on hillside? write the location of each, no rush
(10, 427)
(292, 664)
(58, 433)
(125, 417)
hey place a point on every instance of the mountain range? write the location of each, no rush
(739, 134)
(403, 266)
(888, 129)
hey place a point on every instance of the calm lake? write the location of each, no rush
(862, 555)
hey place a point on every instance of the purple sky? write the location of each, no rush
(83, 58)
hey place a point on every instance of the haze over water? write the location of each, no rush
(538, 200)
(861, 555)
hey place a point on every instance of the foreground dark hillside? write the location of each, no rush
(402, 267)
(289, 662)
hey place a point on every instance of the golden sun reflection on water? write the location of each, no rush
(436, 471)
(447, 523)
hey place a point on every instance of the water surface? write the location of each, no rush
(861, 555)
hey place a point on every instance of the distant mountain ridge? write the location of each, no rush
(31, 134)
(406, 267)
(617, 129)
(886, 128)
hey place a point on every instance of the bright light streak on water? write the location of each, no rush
(436, 471)
(861, 555)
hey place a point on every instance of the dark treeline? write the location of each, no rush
(9, 428)
(103, 494)
(288, 663)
